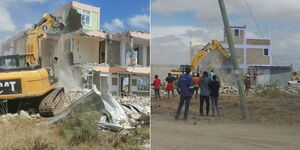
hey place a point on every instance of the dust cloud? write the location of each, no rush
(213, 61)
(63, 69)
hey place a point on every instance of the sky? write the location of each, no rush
(116, 15)
(175, 23)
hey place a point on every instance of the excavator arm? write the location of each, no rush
(34, 35)
(214, 45)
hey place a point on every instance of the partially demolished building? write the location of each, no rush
(114, 62)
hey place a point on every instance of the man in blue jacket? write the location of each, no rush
(186, 85)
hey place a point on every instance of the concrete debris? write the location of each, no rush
(24, 115)
(35, 116)
(134, 122)
(229, 89)
(116, 116)
(292, 89)
(4, 121)
(9, 116)
(73, 96)
(135, 116)
(146, 146)
(136, 107)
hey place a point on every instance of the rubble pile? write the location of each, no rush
(72, 96)
(116, 113)
(288, 90)
(21, 115)
(124, 112)
(229, 89)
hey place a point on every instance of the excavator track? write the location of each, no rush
(52, 104)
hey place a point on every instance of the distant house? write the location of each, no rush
(254, 56)
(251, 52)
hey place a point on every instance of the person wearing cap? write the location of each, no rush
(247, 84)
(186, 85)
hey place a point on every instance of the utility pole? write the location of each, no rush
(234, 60)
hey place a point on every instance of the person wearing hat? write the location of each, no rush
(247, 84)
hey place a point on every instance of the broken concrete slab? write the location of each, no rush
(24, 115)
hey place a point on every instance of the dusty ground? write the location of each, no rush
(274, 124)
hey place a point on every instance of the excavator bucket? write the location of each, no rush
(73, 21)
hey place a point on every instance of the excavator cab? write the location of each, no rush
(15, 63)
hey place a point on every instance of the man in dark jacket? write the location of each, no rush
(204, 92)
(186, 85)
(214, 87)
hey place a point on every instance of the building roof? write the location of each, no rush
(241, 27)
(135, 34)
(97, 33)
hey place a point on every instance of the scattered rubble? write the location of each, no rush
(293, 89)
(117, 113)
(229, 89)
(127, 112)
(24, 115)
(73, 96)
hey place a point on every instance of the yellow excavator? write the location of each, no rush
(214, 45)
(23, 78)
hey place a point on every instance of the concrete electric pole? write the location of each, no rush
(235, 61)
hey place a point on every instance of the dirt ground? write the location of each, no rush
(273, 124)
(23, 134)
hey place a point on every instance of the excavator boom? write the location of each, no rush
(32, 44)
(214, 45)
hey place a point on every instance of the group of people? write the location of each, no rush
(209, 92)
(187, 85)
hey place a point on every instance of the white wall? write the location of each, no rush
(263, 76)
(85, 50)
(144, 43)
(122, 51)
